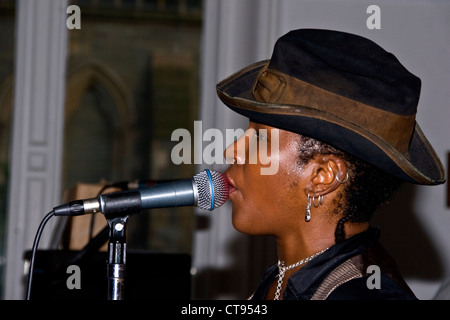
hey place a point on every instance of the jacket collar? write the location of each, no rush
(304, 283)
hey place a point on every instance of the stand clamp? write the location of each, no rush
(117, 252)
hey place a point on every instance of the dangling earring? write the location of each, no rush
(308, 209)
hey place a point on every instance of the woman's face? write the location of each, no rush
(266, 202)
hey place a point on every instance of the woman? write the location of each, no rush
(341, 112)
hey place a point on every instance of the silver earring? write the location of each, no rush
(345, 179)
(308, 209)
(319, 200)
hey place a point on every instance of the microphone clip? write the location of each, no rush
(120, 204)
(117, 251)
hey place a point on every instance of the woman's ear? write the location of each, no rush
(328, 172)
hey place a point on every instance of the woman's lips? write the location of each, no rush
(231, 186)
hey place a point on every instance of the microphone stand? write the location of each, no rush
(117, 208)
(117, 251)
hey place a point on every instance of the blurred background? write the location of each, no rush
(98, 105)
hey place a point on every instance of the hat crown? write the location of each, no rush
(350, 66)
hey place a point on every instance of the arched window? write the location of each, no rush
(97, 115)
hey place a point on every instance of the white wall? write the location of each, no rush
(239, 32)
(36, 146)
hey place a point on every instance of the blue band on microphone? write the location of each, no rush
(212, 188)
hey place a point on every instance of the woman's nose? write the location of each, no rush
(236, 151)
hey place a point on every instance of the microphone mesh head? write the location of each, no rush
(212, 189)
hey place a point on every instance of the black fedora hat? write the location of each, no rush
(344, 90)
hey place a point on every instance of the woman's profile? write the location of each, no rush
(341, 111)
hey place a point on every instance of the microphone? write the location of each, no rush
(206, 190)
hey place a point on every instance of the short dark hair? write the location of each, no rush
(366, 189)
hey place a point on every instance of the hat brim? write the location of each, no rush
(419, 165)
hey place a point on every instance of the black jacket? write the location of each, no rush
(342, 273)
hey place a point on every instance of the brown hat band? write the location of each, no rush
(278, 88)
